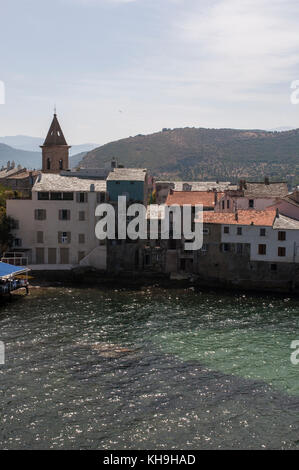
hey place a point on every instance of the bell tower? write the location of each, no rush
(55, 150)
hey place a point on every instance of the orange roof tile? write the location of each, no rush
(206, 198)
(245, 217)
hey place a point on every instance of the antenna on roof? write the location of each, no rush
(55, 109)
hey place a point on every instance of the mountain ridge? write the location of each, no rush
(200, 153)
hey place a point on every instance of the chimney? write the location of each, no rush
(267, 181)
(277, 213)
(295, 195)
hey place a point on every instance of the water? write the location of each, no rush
(162, 369)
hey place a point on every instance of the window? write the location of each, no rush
(239, 230)
(101, 197)
(81, 215)
(205, 231)
(222, 204)
(205, 247)
(64, 237)
(239, 248)
(262, 249)
(40, 214)
(281, 251)
(17, 242)
(81, 238)
(225, 247)
(42, 196)
(60, 165)
(227, 204)
(262, 232)
(15, 225)
(48, 164)
(251, 203)
(273, 267)
(68, 196)
(64, 214)
(281, 236)
(81, 197)
(56, 196)
(39, 237)
(226, 230)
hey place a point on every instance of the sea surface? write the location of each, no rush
(148, 369)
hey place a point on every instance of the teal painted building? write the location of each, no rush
(129, 182)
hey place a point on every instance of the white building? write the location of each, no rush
(272, 237)
(56, 226)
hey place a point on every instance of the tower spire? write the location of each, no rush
(55, 150)
(55, 135)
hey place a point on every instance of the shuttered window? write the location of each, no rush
(81, 197)
(64, 214)
(39, 237)
(40, 214)
(81, 238)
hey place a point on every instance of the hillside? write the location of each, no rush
(22, 157)
(32, 144)
(191, 153)
(29, 159)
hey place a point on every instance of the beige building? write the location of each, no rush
(56, 226)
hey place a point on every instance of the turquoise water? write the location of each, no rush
(164, 369)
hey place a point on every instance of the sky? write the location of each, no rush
(117, 68)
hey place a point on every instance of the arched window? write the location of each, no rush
(48, 164)
(60, 165)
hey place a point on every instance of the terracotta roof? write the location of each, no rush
(245, 217)
(206, 198)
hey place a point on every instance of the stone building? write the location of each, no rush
(251, 195)
(18, 179)
(55, 150)
(55, 226)
(257, 249)
(163, 188)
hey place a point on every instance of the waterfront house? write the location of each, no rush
(55, 226)
(249, 248)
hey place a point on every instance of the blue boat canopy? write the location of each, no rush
(7, 270)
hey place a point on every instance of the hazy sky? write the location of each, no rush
(117, 68)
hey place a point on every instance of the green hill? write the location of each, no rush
(191, 153)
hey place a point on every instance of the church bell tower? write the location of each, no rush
(55, 150)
